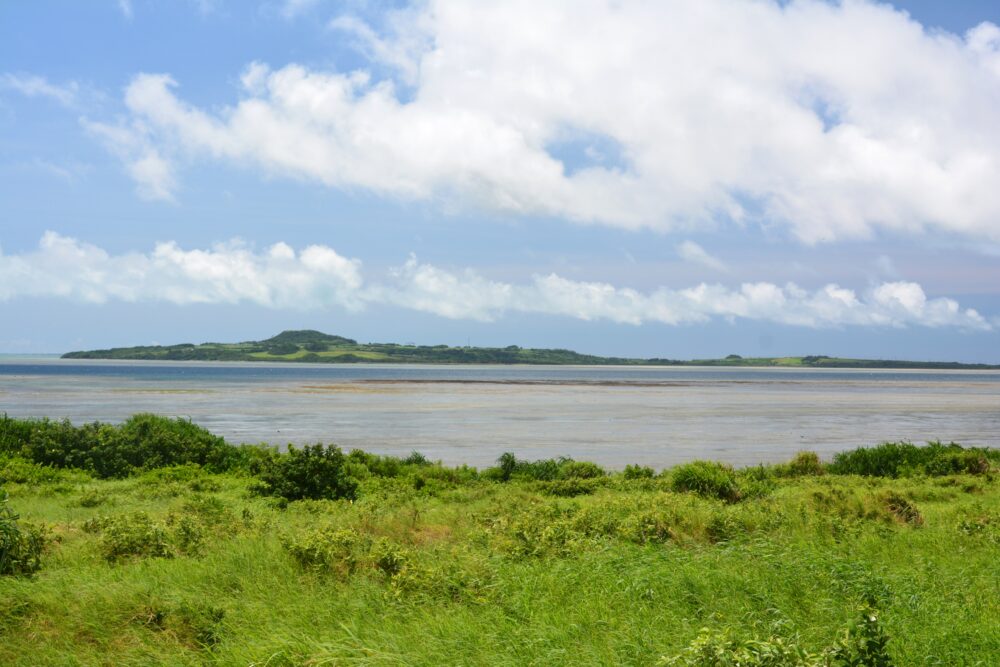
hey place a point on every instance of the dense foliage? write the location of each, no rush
(314, 472)
(20, 545)
(899, 459)
(143, 442)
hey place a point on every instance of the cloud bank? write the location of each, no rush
(717, 112)
(317, 277)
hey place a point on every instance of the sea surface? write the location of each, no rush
(471, 414)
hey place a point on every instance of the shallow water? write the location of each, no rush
(471, 414)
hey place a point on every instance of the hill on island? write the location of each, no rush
(315, 346)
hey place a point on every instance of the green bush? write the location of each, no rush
(315, 472)
(708, 479)
(544, 470)
(861, 645)
(901, 509)
(142, 442)
(20, 545)
(568, 488)
(720, 649)
(580, 470)
(804, 463)
(16, 470)
(329, 549)
(131, 535)
(903, 459)
(416, 459)
(390, 558)
(635, 471)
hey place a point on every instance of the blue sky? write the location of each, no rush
(679, 180)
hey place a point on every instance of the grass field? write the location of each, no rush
(543, 563)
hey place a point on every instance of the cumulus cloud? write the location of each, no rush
(152, 173)
(280, 277)
(692, 252)
(31, 85)
(318, 277)
(720, 111)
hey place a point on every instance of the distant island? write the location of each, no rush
(314, 346)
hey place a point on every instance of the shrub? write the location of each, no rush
(337, 550)
(544, 470)
(16, 470)
(804, 463)
(377, 466)
(130, 535)
(92, 498)
(708, 479)
(142, 442)
(389, 558)
(20, 545)
(315, 472)
(755, 481)
(202, 623)
(568, 488)
(580, 470)
(901, 459)
(861, 645)
(720, 649)
(901, 509)
(635, 471)
(416, 459)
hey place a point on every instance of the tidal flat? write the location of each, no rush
(470, 414)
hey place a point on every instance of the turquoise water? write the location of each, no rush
(471, 414)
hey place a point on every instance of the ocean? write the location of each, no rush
(471, 414)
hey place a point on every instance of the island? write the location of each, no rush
(316, 347)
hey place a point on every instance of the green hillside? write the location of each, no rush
(314, 346)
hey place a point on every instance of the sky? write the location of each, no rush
(670, 179)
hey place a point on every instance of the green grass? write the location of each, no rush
(432, 565)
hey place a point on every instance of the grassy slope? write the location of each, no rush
(313, 346)
(505, 574)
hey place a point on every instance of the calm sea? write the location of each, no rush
(472, 414)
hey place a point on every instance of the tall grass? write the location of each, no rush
(430, 565)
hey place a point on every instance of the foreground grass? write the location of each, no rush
(436, 566)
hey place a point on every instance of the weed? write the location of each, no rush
(21, 544)
(131, 536)
(802, 465)
(901, 509)
(329, 549)
(708, 479)
(635, 471)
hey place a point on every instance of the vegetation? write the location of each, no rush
(222, 554)
(317, 347)
(314, 472)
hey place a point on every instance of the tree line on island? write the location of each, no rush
(311, 346)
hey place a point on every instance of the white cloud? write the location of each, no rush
(152, 172)
(692, 252)
(31, 85)
(125, 7)
(318, 277)
(723, 110)
(292, 8)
